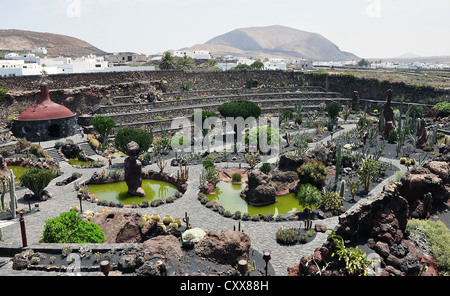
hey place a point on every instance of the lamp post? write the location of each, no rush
(267, 257)
(22, 230)
(243, 267)
(105, 267)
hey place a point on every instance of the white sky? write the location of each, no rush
(367, 28)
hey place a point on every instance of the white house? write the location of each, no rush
(41, 50)
(302, 64)
(65, 65)
(19, 68)
(274, 66)
(196, 54)
(27, 57)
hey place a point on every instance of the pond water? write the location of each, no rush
(18, 171)
(118, 192)
(76, 161)
(228, 195)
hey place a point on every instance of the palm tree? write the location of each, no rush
(167, 62)
(185, 63)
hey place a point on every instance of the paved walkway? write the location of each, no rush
(262, 234)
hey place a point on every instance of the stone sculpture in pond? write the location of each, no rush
(133, 168)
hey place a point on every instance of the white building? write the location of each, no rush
(65, 65)
(302, 64)
(196, 54)
(226, 66)
(274, 66)
(27, 57)
(41, 50)
(19, 68)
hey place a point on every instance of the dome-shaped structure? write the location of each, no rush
(45, 108)
(45, 120)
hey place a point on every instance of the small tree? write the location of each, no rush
(127, 134)
(252, 159)
(308, 197)
(36, 180)
(103, 125)
(167, 62)
(367, 170)
(312, 172)
(265, 168)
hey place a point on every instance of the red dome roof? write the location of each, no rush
(45, 109)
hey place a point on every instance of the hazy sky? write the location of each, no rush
(367, 28)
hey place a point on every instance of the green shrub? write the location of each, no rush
(103, 125)
(333, 109)
(2, 94)
(299, 119)
(443, 109)
(309, 196)
(417, 111)
(236, 177)
(287, 236)
(265, 168)
(392, 137)
(437, 236)
(240, 108)
(128, 134)
(69, 227)
(312, 172)
(36, 179)
(332, 201)
(367, 170)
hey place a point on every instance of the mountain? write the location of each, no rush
(56, 45)
(275, 41)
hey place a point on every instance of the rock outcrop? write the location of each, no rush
(133, 170)
(380, 224)
(224, 247)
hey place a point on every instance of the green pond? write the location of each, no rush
(18, 171)
(76, 161)
(228, 195)
(118, 192)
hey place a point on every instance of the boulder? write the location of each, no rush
(119, 226)
(259, 190)
(164, 247)
(283, 180)
(440, 168)
(225, 247)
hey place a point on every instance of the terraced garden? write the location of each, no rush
(353, 191)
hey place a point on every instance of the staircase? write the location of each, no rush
(54, 153)
(87, 148)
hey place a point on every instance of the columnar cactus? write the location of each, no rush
(12, 194)
(338, 163)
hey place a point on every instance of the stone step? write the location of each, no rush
(87, 148)
(54, 154)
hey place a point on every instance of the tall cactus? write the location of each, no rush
(12, 194)
(186, 220)
(342, 191)
(3, 194)
(338, 164)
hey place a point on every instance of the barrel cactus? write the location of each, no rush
(167, 219)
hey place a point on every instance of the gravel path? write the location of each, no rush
(262, 234)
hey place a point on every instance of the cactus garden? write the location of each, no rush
(361, 190)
